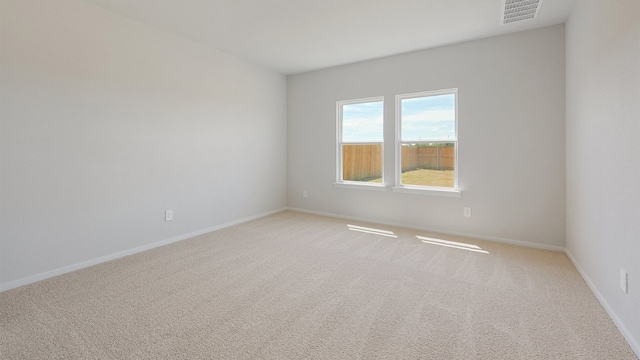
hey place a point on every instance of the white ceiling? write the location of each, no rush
(294, 36)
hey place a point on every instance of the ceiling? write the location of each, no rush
(294, 36)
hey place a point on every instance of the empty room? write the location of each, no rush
(337, 179)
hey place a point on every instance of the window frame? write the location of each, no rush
(340, 182)
(422, 189)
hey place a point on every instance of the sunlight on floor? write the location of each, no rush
(372, 231)
(426, 240)
(452, 244)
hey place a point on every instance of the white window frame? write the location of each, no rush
(418, 189)
(340, 182)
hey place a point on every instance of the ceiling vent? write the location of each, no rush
(519, 10)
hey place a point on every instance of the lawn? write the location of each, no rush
(442, 178)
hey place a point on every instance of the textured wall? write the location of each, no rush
(511, 97)
(603, 182)
(107, 122)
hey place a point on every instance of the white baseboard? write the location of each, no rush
(35, 278)
(635, 346)
(66, 269)
(621, 327)
(408, 226)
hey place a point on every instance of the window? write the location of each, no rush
(360, 141)
(426, 129)
(426, 160)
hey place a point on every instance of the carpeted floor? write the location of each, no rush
(299, 286)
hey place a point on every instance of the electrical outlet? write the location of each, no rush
(305, 194)
(624, 281)
(168, 215)
(467, 211)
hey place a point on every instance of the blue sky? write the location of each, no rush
(423, 118)
(429, 118)
(362, 122)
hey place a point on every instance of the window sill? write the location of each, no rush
(361, 186)
(428, 191)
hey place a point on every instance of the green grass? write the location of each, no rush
(424, 177)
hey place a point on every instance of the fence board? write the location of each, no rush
(428, 157)
(361, 162)
(364, 162)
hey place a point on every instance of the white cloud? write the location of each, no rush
(429, 115)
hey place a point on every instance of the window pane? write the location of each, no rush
(430, 164)
(429, 118)
(362, 162)
(362, 122)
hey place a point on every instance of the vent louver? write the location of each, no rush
(518, 10)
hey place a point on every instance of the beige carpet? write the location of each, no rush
(298, 286)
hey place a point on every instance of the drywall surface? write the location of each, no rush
(603, 152)
(106, 123)
(511, 130)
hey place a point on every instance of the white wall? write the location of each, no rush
(106, 122)
(603, 153)
(511, 105)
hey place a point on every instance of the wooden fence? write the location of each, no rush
(361, 162)
(428, 157)
(364, 162)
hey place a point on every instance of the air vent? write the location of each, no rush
(519, 10)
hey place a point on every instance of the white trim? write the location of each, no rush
(445, 232)
(363, 143)
(428, 93)
(339, 143)
(635, 346)
(66, 269)
(399, 141)
(49, 274)
(427, 191)
(361, 186)
(360, 100)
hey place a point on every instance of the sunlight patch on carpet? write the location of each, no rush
(452, 244)
(372, 231)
